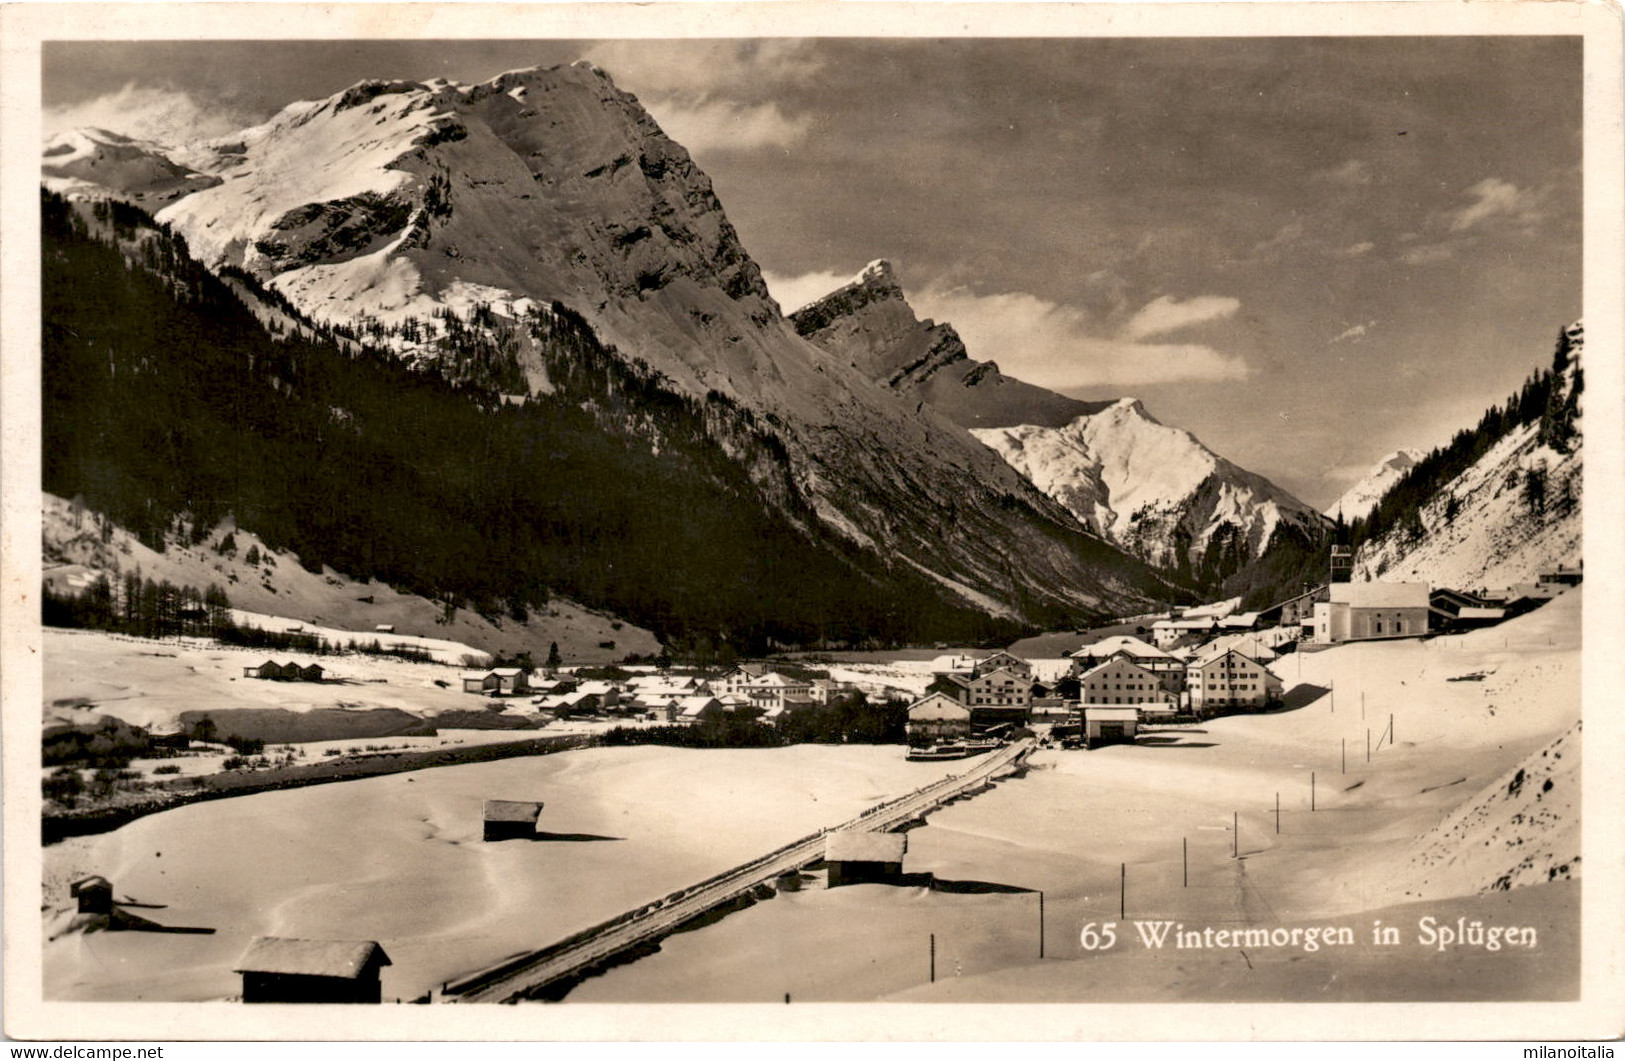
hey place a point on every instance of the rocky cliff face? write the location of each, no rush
(393, 207)
(869, 323)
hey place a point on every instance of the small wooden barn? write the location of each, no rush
(1109, 725)
(280, 970)
(310, 673)
(480, 681)
(270, 669)
(507, 819)
(94, 894)
(856, 857)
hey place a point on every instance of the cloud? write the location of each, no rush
(705, 69)
(794, 292)
(1352, 174)
(1168, 314)
(1354, 250)
(724, 125)
(1427, 254)
(1355, 334)
(1285, 236)
(1495, 198)
(148, 112)
(1060, 347)
(711, 95)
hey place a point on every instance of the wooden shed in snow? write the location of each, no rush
(275, 969)
(855, 857)
(1109, 725)
(508, 819)
(94, 894)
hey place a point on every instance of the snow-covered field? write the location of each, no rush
(149, 683)
(1370, 849)
(399, 859)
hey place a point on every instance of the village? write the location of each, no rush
(1153, 681)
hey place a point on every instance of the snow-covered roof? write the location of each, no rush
(1092, 671)
(937, 707)
(1184, 624)
(1381, 594)
(1121, 643)
(851, 845)
(509, 810)
(507, 672)
(1240, 621)
(346, 959)
(1216, 610)
(952, 664)
(1482, 613)
(1091, 713)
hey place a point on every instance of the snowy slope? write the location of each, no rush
(395, 201)
(1522, 829)
(1153, 489)
(1481, 530)
(1363, 496)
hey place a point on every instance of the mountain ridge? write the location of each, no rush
(1156, 491)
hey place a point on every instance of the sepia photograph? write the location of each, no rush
(797, 508)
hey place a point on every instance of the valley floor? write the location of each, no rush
(1481, 784)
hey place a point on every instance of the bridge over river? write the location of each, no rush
(532, 975)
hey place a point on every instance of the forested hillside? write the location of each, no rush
(165, 397)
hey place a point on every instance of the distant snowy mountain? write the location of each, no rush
(1153, 490)
(1512, 514)
(454, 223)
(1363, 496)
(93, 162)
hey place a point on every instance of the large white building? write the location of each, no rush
(1361, 611)
(1231, 680)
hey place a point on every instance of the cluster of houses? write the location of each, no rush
(1199, 662)
(661, 697)
(1105, 689)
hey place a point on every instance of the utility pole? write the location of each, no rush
(1040, 923)
(1185, 857)
(1311, 790)
(933, 957)
(1122, 890)
(1277, 814)
(1235, 831)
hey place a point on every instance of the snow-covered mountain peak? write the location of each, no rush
(1358, 501)
(394, 205)
(1155, 490)
(878, 272)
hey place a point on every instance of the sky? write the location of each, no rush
(1309, 252)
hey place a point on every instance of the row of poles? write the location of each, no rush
(1235, 833)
